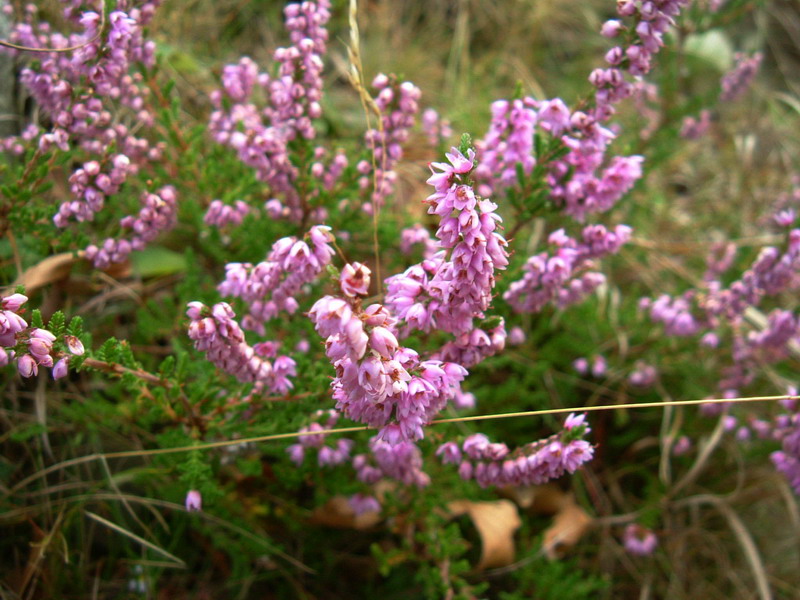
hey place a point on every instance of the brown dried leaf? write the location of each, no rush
(51, 269)
(496, 523)
(337, 512)
(546, 499)
(569, 525)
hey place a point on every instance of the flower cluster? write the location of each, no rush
(158, 214)
(398, 104)
(508, 143)
(787, 431)
(418, 234)
(450, 294)
(535, 463)
(216, 332)
(565, 277)
(31, 347)
(694, 128)
(271, 286)
(90, 186)
(645, 38)
(573, 179)
(379, 382)
(643, 375)
(437, 129)
(326, 455)
(736, 82)
(220, 214)
(714, 307)
(95, 98)
(260, 136)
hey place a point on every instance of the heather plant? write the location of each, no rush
(266, 316)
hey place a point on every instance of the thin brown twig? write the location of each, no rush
(284, 436)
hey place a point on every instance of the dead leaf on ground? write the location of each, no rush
(51, 269)
(337, 512)
(569, 525)
(496, 523)
(546, 499)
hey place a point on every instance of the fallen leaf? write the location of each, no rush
(546, 499)
(51, 269)
(337, 512)
(569, 525)
(496, 523)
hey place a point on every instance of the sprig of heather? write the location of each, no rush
(378, 382)
(261, 136)
(644, 36)
(157, 215)
(401, 461)
(95, 98)
(454, 287)
(715, 310)
(693, 128)
(418, 235)
(215, 332)
(436, 128)
(493, 464)
(271, 285)
(32, 347)
(398, 104)
(786, 430)
(566, 276)
(221, 215)
(507, 143)
(577, 179)
(327, 455)
(737, 80)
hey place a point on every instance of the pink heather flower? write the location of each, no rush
(639, 540)
(450, 453)
(355, 279)
(26, 366)
(599, 366)
(475, 445)
(194, 501)
(13, 302)
(682, 446)
(516, 336)
(611, 28)
(643, 376)
(60, 368)
(362, 504)
(581, 365)
(74, 345)
(574, 421)
(296, 453)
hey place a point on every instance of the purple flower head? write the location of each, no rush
(13, 302)
(60, 368)
(74, 345)
(639, 541)
(194, 501)
(355, 279)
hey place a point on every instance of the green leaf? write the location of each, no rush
(157, 261)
